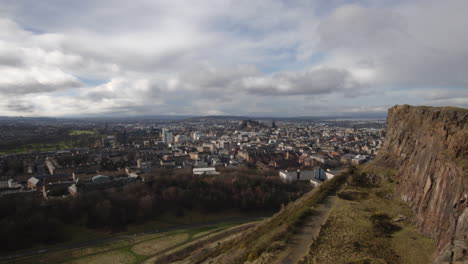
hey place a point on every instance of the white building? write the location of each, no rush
(205, 171)
(196, 135)
(359, 159)
(317, 174)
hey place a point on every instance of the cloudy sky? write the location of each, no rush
(241, 57)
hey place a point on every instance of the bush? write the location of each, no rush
(382, 224)
(353, 195)
(364, 180)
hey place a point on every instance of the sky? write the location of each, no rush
(221, 57)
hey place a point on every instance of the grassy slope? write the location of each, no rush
(349, 235)
(272, 234)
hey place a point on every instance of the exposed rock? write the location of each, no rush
(429, 146)
(399, 218)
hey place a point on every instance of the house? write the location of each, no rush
(359, 159)
(346, 159)
(38, 181)
(100, 182)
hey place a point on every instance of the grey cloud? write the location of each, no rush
(417, 44)
(357, 27)
(20, 106)
(315, 81)
(36, 87)
(11, 60)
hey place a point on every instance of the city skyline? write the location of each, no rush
(266, 58)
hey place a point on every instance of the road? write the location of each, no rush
(95, 242)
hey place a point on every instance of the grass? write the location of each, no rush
(59, 145)
(82, 132)
(39, 147)
(460, 109)
(274, 232)
(115, 257)
(76, 233)
(186, 251)
(80, 233)
(156, 245)
(363, 230)
(132, 250)
(454, 108)
(190, 217)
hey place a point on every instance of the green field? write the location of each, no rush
(78, 234)
(82, 132)
(137, 249)
(39, 147)
(59, 145)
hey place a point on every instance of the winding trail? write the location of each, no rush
(301, 241)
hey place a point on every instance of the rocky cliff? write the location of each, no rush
(429, 147)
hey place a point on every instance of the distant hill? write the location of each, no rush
(113, 117)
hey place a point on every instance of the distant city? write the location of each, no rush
(48, 157)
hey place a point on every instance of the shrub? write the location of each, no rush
(364, 180)
(382, 224)
(353, 195)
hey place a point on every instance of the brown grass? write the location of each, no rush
(157, 245)
(363, 231)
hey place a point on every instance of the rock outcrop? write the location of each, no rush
(429, 147)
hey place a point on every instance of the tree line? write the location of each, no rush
(28, 222)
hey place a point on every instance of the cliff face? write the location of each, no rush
(429, 147)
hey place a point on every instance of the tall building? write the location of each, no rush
(196, 135)
(155, 132)
(167, 136)
(180, 139)
(121, 138)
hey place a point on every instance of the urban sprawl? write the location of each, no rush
(66, 158)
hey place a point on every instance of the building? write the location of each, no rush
(38, 181)
(167, 136)
(121, 138)
(205, 171)
(100, 182)
(196, 135)
(144, 164)
(180, 139)
(359, 159)
(292, 176)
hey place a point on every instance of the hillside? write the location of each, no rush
(408, 206)
(429, 147)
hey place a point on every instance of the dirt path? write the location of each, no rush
(300, 242)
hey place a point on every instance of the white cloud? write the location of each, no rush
(229, 57)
